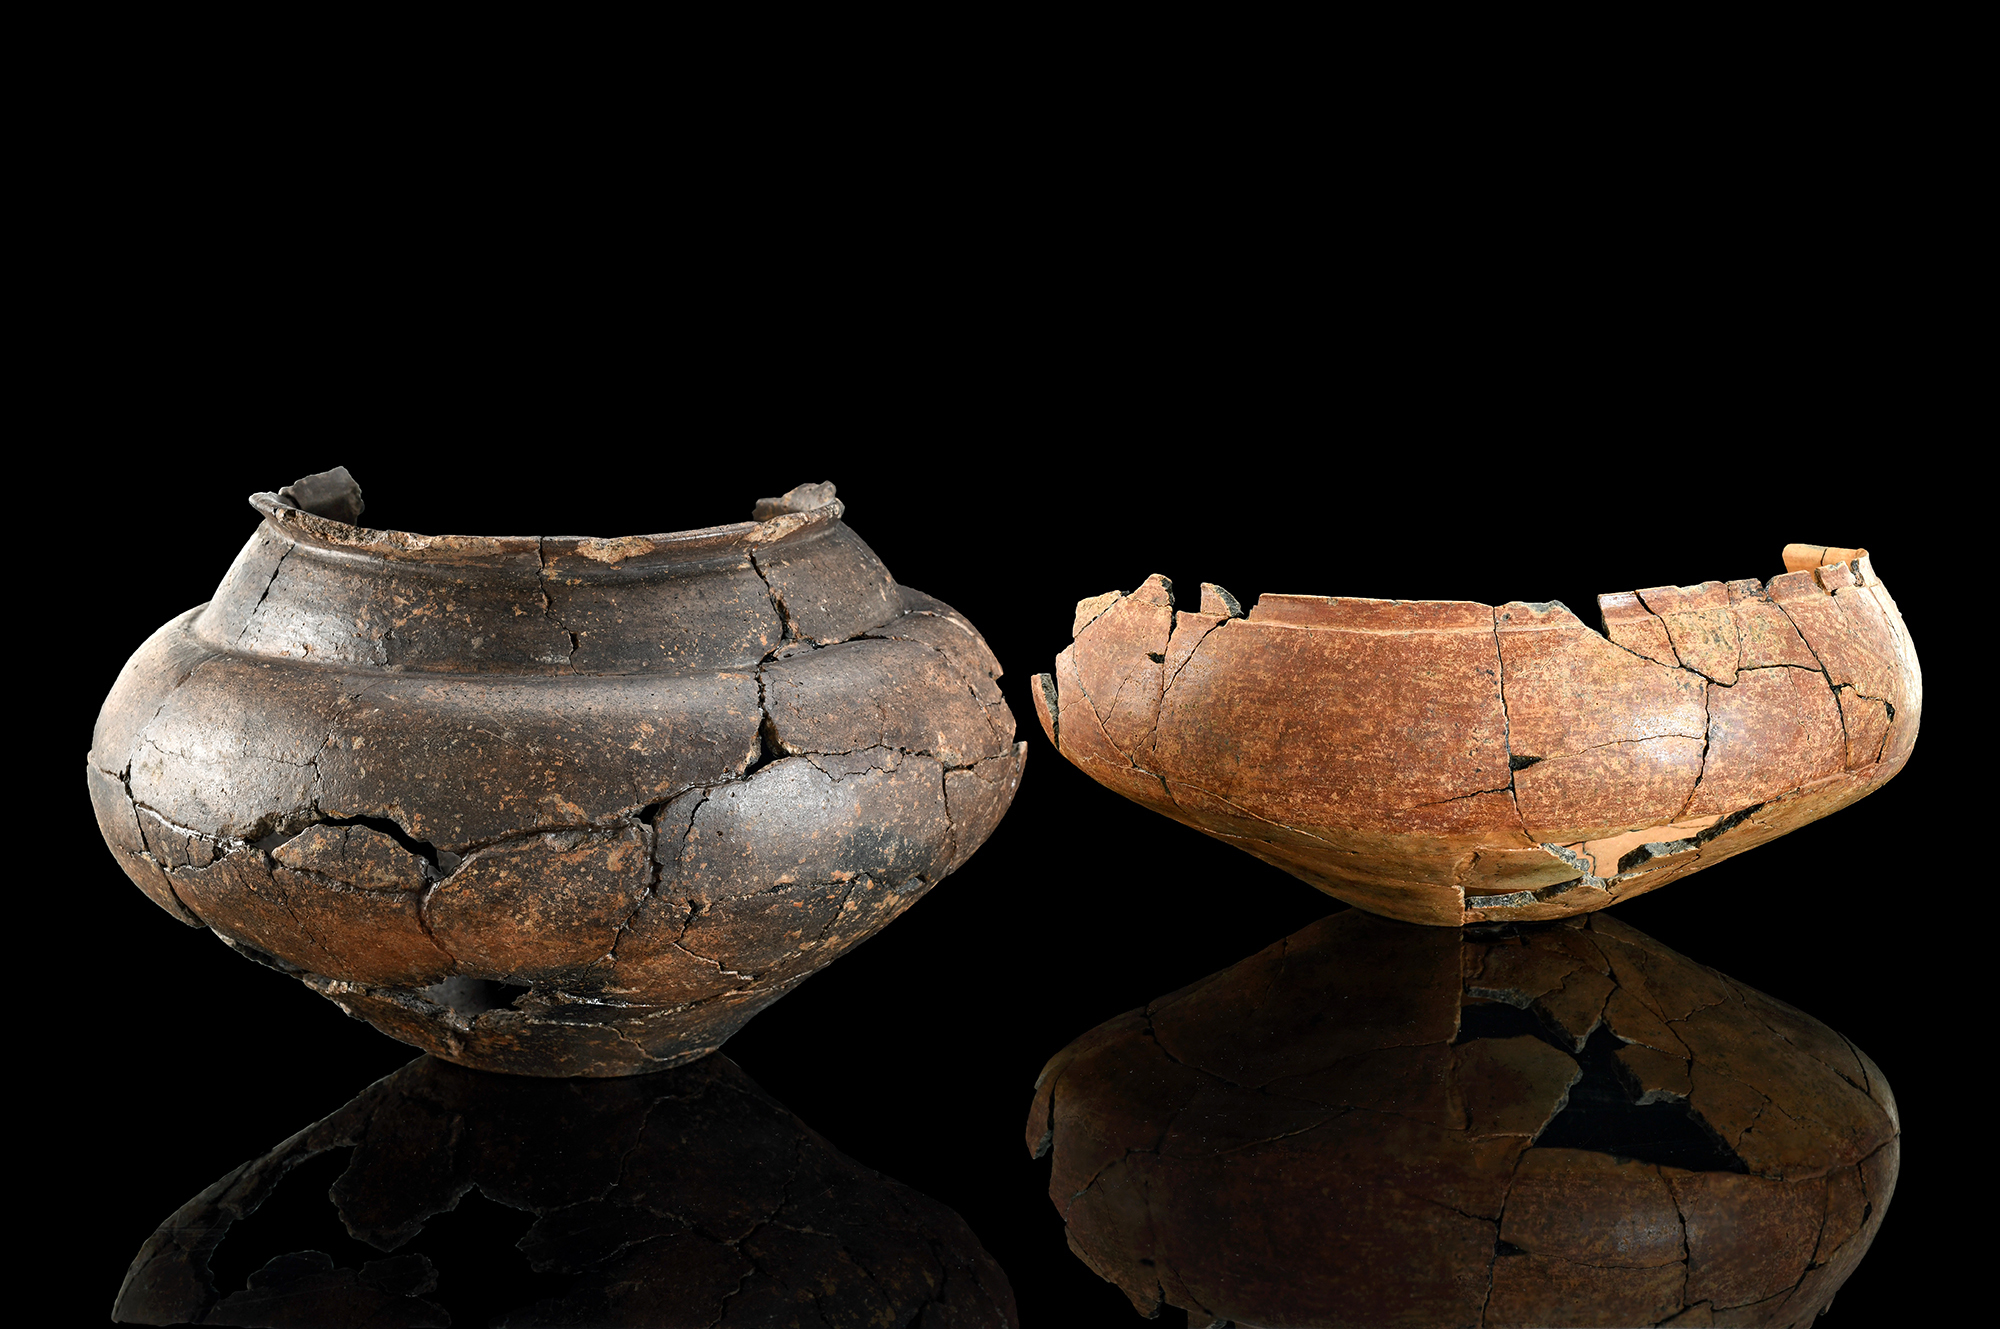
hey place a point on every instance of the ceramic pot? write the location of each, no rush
(554, 806)
(1448, 762)
(1371, 1123)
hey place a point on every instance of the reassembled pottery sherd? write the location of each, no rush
(1370, 1123)
(554, 806)
(1448, 762)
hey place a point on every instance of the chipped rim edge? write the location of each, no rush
(344, 539)
(1861, 570)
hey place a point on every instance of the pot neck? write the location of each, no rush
(320, 592)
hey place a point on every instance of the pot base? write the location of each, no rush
(475, 1024)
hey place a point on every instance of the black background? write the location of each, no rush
(916, 1054)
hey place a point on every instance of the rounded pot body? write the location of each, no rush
(553, 805)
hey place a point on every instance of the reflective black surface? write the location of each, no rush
(916, 1055)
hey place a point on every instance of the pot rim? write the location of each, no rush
(344, 539)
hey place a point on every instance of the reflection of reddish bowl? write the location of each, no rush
(1448, 762)
(1369, 1123)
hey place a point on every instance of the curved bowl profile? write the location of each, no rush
(1448, 762)
(554, 805)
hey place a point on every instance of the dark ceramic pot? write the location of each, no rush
(554, 806)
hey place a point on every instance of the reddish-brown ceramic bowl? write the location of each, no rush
(1449, 762)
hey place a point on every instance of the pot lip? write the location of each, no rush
(340, 537)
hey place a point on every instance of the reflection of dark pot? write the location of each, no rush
(1374, 1123)
(555, 806)
(684, 1197)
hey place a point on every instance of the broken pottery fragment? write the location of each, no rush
(552, 805)
(668, 1198)
(1449, 762)
(1519, 1124)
